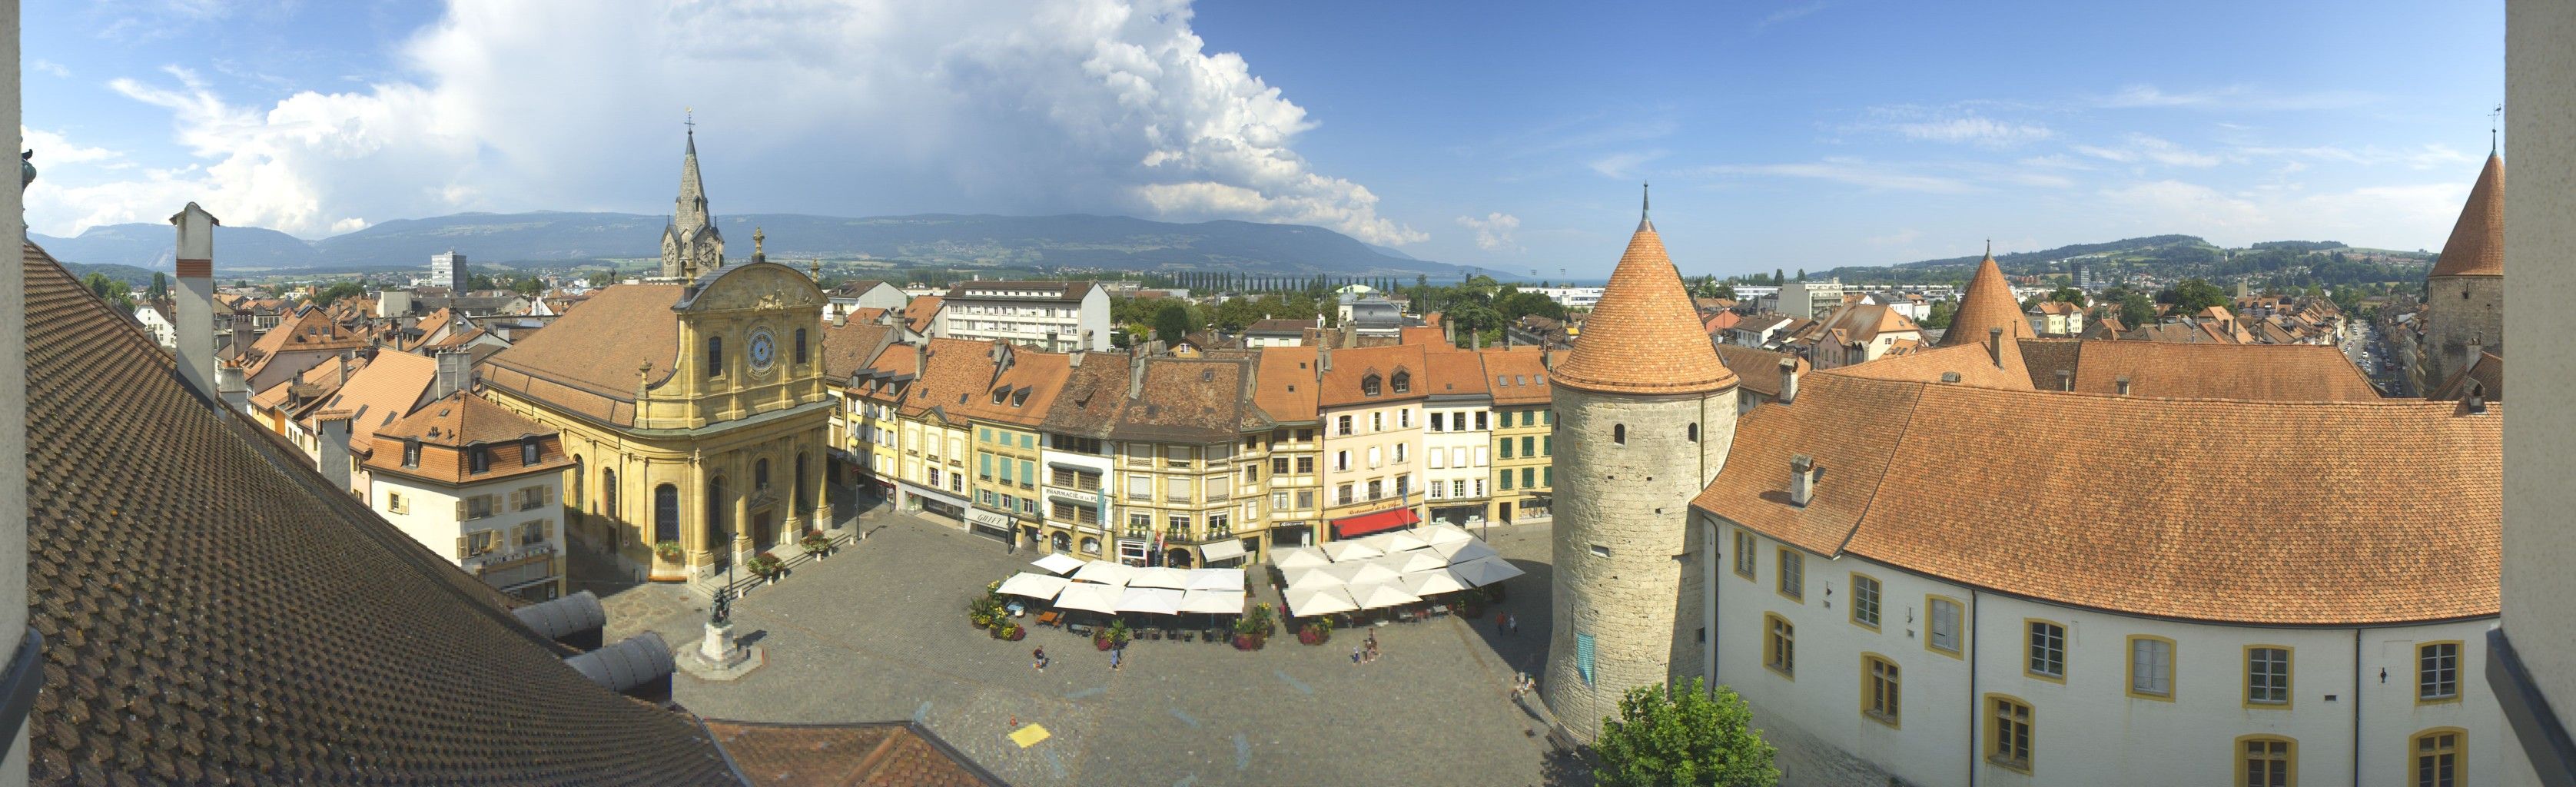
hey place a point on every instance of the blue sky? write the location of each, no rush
(1510, 136)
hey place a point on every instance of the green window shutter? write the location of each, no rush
(1028, 471)
(1506, 478)
(1547, 446)
(1507, 448)
(984, 464)
(1551, 476)
(1528, 443)
(1028, 441)
(1528, 474)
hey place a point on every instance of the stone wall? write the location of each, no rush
(1625, 571)
(2457, 324)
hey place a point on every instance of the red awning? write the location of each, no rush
(1364, 524)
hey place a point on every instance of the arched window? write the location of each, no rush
(1403, 382)
(574, 499)
(760, 474)
(1369, 385)
(715, 356)
(1619, 433)
(1694, 433)
(666, 513)
(608, 493)
(800, 345)
(1090, 546)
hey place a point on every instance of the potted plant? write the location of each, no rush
(1251, 632)
(766, 566)
(983, 610)
(1115, 635)
(1005, 629)
(1318, 632)
(815, 544)
(668, 551)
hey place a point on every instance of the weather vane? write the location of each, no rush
(2495, 120)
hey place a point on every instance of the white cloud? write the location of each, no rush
(2387, 216)
(1791, 12)
(2141, 147)
(1042, 106)
(42, 65)
(1958, 123)
(2231, 97)
(1851, 171)
(1623, 165)
(1494, 231)
(1978, 130)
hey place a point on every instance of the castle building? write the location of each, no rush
(691, 244)
(1987, 305)
(2464, 293)
(1644, 412)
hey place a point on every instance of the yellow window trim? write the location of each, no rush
(1780, 564)
(1854, 613)
(2462, 654)
(2245, 679)
(2236, 756)
(1962, 633)
(1744, 544)
(1893, 722)
(2064, 648)
(1767, 620)
(1989, 716)
(2459, 750)
(2173, 655)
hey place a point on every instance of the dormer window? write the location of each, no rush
(1403, 382)
(411, 452)
(1369, 385)
(528, 451)
(999, 393)
(479, 459)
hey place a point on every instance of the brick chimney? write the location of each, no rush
(1788, 380)
(195, 300)
(1802, 480)
(334, 437)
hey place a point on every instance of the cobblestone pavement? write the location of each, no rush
(878, 632)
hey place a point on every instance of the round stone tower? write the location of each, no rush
(2464, 293)
(1644, 414)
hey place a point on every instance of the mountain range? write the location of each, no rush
(548, 238)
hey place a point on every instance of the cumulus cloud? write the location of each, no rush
(1622, 165)
(1978, 130)
(2392, 216)
(1034, 106)
(1494, 231)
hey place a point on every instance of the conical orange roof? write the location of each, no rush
(1644, 336)
(2476, 247)
(1987, 303)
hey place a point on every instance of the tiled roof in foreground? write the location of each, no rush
(892, 754)
(2262, 513)
(213, 613)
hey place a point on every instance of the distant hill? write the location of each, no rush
(1076, 242)
(149, 246)
(2168, 258)
(124, 273)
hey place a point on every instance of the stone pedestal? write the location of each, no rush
(717, 657)
(718, 646)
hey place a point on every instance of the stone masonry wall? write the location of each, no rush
(2458, 323)
(1641, 602)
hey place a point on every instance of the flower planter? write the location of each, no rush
(1313, 637)
(1100, 642)
(1247, 642)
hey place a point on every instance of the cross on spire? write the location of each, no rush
(1646, 205)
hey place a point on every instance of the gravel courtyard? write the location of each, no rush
(878, 632)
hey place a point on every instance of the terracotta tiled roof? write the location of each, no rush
(1519, 374)
(1971, 362)
(1758, 370)
(2482, 379)
(1644, 337)
(1279, 326)
(2476, 247)
(1093, 395)
(1456, 372)
(1986, 303)
(324, 379)
(1426, 335)
(1351, 366)
(1200, 400)
(214, 612)
(384, 391)
(1026, 389)
(1719, 320)
(892, 754)
(585, 361)
(918, 313)
(848, 345)
(447, 426)
(1285, 385)
(2255, 372)
(2257, 531)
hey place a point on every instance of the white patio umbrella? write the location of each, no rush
(1410, 561)
(1319, 601)
(1312, 578)
(1377, 595)
(1350, 550)
(1401, 540)
(1215, 579)
(1300, 557)
(1214, 602)
(1462, 551)
(1486, 571)
(1034, 585)
(1159, 577)
(1104, 572)
(1433, 582)
(1089, 597)
(1362, 573)
(1157, 601)
(1058, 563)
(1436, 535)
(1377, 542)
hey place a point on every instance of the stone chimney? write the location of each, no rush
(921, 359)
(455, 373)
(1480, 341)
(230, 387)
(1802, 480)
(2065, 379)
(1995, 346)
(2124, 386)
(1136, 376)
(1788, 380)
(1449, 330)
(195, 300)
(1323, 360)
(334, 437)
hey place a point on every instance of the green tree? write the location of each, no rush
(2137, 309)
(1726, 291)
(114, 292)
(1172, 322)
(2193, 295)
(1779, 277)
(528, 285)
(1670, 738)
(1802, 274)
(160, 286)
(1236, 313)
(338, 290)
(2067, 295)
(1940, 315)
(602, 278)
(477, 281)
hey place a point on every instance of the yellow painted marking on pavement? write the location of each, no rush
(1029, 736)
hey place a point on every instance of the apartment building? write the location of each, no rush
(1457, 450)
(1369, 402)
(1057, 316)
(1524, 433)
(1285, 391)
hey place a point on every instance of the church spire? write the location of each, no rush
(1646, 207)
(691, 244)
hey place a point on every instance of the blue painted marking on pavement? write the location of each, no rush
(921, 713)
(1242, 752)
(1187, 781)
(1301, 685)
(1185, 718)
(1089, 692)
(1053, 763)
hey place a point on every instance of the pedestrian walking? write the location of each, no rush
(1512, 624)
(1355, 654)
(1038, 659)
(1113, 658)
(1501, 618)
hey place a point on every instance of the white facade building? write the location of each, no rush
(449, 270)
(1055, 316)
(479, 485)
(164, 332)
(1569, 297)
(1457, 446)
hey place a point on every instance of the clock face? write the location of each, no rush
(764, 348)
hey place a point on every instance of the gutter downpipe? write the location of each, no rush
(2356, 706)
(1976, 702)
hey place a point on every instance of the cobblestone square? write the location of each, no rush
(879, 632)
